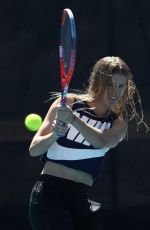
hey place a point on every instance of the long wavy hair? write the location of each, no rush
(129, 107)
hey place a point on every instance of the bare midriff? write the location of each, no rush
(65, 172)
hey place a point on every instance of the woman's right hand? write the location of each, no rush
(59, 128)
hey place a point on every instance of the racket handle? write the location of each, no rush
(63, 101)
(64, 95)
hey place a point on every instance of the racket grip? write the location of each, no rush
(64, 95)
(63, 101)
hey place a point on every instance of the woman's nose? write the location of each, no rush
(115, 92)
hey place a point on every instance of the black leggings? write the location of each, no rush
(58, 203)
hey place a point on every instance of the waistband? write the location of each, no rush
(50, 179)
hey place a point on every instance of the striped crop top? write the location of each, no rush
(73, 150)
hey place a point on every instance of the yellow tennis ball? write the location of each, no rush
(33, 122)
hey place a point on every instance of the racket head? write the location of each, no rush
(67, 50)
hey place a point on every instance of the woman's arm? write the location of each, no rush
(48, 133)
(108, 138)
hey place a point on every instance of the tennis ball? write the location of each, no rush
(33, 122)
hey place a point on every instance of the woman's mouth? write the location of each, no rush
(114, 98)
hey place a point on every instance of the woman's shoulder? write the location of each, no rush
(120, 122)
(70, 100)
(117, 120)
(74, 101)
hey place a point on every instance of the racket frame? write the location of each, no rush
(66, 77)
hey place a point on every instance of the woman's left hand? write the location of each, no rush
(65, 114)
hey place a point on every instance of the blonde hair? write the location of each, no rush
(129, 107)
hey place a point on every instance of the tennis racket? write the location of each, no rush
(67, 51)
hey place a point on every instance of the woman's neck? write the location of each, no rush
(100, 108)
(102, 112)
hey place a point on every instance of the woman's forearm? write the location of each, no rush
(91, 134)
(41, 144)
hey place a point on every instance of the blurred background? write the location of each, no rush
(29, 71)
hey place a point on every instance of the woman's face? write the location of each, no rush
(116, 89)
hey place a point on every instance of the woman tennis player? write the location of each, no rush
(73, 141)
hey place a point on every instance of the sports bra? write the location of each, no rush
(73, 150)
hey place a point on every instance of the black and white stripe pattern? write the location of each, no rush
(74, 146)
(76, 136)
(73, 150)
